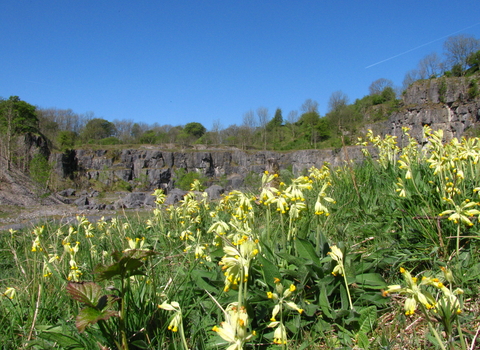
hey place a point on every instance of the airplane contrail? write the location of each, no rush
(430, 42)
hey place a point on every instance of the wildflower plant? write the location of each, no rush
(263, 257)
(282, 298)
(235, 328)
(176, 321)
(444, 307)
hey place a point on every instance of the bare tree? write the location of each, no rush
(410, 77)
(430, 66)
(292, 118)
(309, 106)
(337, 100)
(458, 48)
(216, 128)
(124, 129)
(262, 113)
(247, 128)
(379, 85)
(249, 119)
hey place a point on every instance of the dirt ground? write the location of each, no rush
(21, 205)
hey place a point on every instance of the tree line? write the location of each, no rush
(260, 129)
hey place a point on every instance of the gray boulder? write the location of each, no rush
(215, 191)
(132, 200)
(175, 196)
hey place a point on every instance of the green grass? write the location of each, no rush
(260, 265)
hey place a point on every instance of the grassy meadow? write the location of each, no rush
(378, 255)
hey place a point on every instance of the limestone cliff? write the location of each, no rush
(440, 103)
(156, 166)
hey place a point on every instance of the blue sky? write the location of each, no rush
(175, 62)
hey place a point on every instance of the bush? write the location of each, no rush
(442, 91)
(40, 171)
(109, 141)
(473, 89)
(185, 179)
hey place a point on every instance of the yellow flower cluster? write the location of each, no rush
(235, 327)
(236, 262)
(416, 292)
(281, 296)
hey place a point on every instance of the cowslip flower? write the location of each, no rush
(236, 262)
(10, 293)
(135, 244)
(461, 212)
(337, 255)
(280, 333)
(415, 294)
(176, 320)
(159, 196)
(280, 296)
(235, 327)
(320, 207)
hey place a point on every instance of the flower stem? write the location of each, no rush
(348, 290)
(432, 329)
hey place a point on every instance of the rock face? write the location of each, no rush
(155, 168)
(439, 103)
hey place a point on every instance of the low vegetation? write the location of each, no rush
(378, 255)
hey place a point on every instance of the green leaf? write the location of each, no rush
(362, 341)
(306, 250)
(270, 270)
(203, 280)
(56, 334)
(370, 280)
(87, 293)
(368, 318)
(90, 315)
(140, 344)
(324, 303)
(128, 264)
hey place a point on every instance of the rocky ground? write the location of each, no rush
(21, 205)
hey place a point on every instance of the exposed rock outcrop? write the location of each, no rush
(439, 103)
(155, 168)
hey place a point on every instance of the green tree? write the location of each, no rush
(194, 129)
(149, 137)
(308, 122)
(40, 171)
(276, 121)
(66, 140)
(97, 129)
(388, 94)
(17, 117)
(473, 61)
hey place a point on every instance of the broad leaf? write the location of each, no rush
(57, 335)
(90, 315)
(306, 250)
(128, 264)
(270, 271)
(370, 280)
(87, 293)
(203, 280)
(368, 318)
(324, 303)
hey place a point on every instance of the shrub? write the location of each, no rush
(40, 171)
(442, 91)
(473, 89)
(185, 179)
